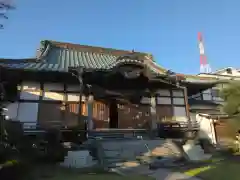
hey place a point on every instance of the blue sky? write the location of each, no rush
(166, 28)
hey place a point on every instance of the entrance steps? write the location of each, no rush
(116, 153)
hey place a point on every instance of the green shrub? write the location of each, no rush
(14, 170)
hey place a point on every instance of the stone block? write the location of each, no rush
(195, 152)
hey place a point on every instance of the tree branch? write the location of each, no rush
(4, 7)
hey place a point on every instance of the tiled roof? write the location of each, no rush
(56, 56)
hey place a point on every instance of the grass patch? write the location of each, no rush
(97, 177)
(96, 173)
(197, 171)
(217, 171)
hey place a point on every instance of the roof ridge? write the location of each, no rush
(94, 49)
(17, 61)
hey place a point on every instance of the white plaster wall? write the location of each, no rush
(178, 93)
(164, 100)
(145, 100)
(180, 113)
(12, 111)
(53, 87)
(74, 97)
(206, 128)
(178, 101)
(50, 91)
(27, 112)
(163, 92)
(53, 96)
(73, 88)
(30, 91)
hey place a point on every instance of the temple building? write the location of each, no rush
(209, 101)
(68, 85)
(205, 106)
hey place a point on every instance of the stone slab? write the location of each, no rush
(195, 152)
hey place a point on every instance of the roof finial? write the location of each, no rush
(42, 50)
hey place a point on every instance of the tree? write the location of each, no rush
(5, 5)
(231, 106)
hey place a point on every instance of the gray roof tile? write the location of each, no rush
(57, 56)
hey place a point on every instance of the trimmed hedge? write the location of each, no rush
(13, 170)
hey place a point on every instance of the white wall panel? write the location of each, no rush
(28, 112)
(163, 92)
(31, 86)
(179, 101)
(207, 97)
(30, 91)
(208, 91)
(179, 111)
(178, 93)
(73, 97)
(180, 114)
(53, 96)
(145, 100)
(53, 87)
(164, 100)
(12, 111)
(73, 88)
(30, 95)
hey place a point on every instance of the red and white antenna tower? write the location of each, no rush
(204, 66)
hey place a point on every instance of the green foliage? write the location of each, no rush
(231, 96)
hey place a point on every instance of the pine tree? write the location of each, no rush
(231, 106)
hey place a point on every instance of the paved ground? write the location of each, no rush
(164, 174)
(159, 174)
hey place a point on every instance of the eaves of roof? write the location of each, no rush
(58, 56)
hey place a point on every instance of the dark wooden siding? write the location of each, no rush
(57, 114)
(50, 115)
(133, 116)
(71, 115)
(164, 112)
(129, 115)
(139, 116)
(100, 114)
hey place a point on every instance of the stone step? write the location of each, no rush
(112, 151)
(195, 152)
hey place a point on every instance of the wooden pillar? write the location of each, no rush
(113, 114)
(90, 124)
(189, 134)
(153, 112)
